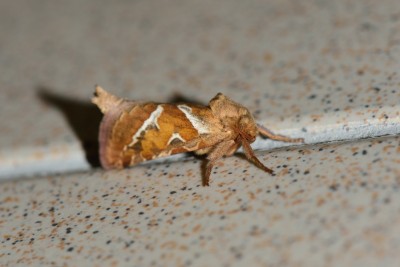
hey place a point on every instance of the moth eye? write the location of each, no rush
(252, 138)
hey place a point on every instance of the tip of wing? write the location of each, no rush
(104, 100)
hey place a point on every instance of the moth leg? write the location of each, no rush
(248, 151)
(233, 149)
(267, 133)
(218, 152)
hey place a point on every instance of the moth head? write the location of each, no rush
(234, 116)
(248, 128)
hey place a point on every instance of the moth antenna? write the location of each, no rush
(248, 151)
(269, 134)
(104, 100)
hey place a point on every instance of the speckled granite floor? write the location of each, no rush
(328, 205)
(322, 70)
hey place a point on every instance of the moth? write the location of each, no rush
(132, 131)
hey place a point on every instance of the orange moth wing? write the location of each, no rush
(132, 132)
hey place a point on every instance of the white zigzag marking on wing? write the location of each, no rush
(175, 136)
(197, 123)
(152, 120)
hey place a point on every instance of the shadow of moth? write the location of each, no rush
(132, 132)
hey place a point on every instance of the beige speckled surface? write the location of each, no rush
(322, 70)
(328, 205)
